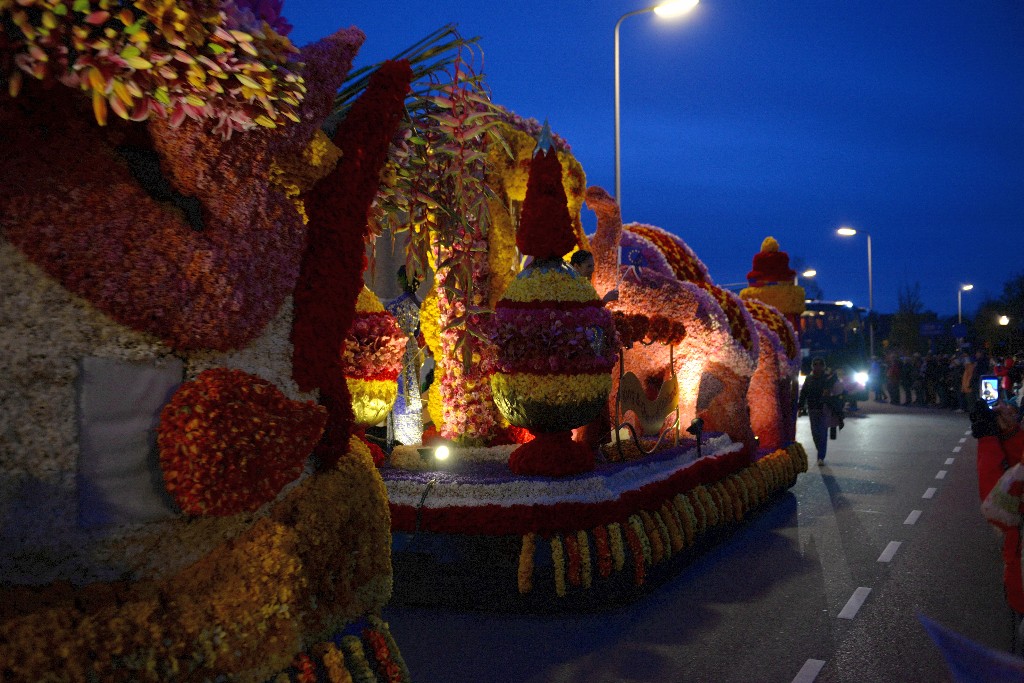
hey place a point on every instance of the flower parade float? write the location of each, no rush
(172, 351)
(560, 528)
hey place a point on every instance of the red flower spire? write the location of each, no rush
(545, 229)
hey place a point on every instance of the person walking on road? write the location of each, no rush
(815, 400)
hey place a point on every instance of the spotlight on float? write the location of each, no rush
(437, 454)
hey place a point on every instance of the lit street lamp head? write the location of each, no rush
(966, 288)
(846, 232)
(674, 8)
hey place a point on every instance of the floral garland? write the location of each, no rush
(365, 652)
(653, 535)
(163, 58)
(635, 327)
(331, 274)
(240, 612)
(147, 268)
(229, 442)
(682, 259)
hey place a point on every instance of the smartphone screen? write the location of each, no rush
(989, 389)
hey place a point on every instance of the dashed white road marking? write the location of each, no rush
(854, 603)
(949, 461)
(912, 517)
(967, 433)
(929, 493)
(957, 449)
(941, 474)
(963, 439)
(809, 671)
(890, 551)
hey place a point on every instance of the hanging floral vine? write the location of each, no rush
(434, 188)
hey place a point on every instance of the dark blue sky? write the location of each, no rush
(746, 119)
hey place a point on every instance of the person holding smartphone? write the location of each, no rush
(1000, 474)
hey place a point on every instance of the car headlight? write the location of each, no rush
(860, 378)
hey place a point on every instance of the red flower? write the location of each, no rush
(331, 274)
(545, 229)
(229, 442)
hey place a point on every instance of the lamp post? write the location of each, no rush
(849, 232)
(807, 275)
(667, 9)
(959, 301)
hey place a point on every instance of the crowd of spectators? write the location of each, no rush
(938, 380)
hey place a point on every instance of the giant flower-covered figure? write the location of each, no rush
(556, 341)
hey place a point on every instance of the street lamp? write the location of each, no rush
(1004, 320)
(667, 9)
(849, 232)
(959, 301)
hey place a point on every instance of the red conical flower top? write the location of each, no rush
(545, 228)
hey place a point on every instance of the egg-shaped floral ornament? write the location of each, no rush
(372, 360)
(556, 342)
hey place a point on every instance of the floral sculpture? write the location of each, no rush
(774, 282)
(229, 442)
(372, 359)
(330, 277)
(718, 353)
(556, 341)
(160, 199)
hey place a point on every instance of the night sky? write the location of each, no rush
(746, 119)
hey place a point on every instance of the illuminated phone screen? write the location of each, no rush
(989, 389)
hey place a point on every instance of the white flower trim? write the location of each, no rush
(594, 488)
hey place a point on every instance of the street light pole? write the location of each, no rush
(670, 8)
(959, 301)
(847, 232)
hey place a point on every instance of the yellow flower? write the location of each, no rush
(786, 298)
(525, 573)
(583, 544)
(558, 558)
(536, 284)
(553, 389)
(368, 302)
(615, 542)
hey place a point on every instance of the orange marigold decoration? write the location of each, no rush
(229, 442)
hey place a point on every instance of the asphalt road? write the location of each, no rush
(892, 520)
